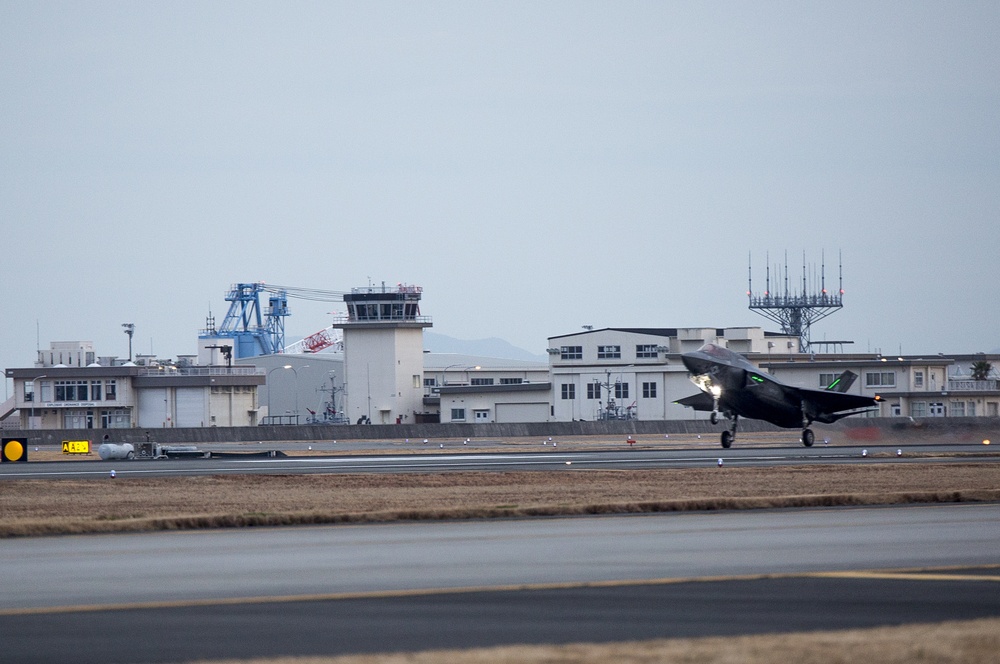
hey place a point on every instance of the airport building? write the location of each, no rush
(71, 388)
(381, 374)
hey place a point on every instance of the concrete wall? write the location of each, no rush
(874, 430)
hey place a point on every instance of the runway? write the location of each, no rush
(349, 589)
(548, 460)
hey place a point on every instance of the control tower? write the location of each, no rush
(796, 310)
(383, 353)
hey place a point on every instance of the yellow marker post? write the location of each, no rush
(76, 447)
(13, 450)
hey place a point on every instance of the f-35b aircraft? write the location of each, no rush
(730, 384)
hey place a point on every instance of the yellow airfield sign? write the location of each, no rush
(76, 447)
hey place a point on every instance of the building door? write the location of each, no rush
(937, 410)
(482, 416)
(190, 407)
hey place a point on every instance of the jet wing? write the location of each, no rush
(828, 402)
(700, 401)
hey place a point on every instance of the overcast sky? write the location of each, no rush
(534, 166)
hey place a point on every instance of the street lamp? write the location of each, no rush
(295, 390)
(268, 381)
(467, 369)
(34, 397)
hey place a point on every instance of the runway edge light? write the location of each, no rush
(13, 450)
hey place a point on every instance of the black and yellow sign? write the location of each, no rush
(14, 449)
(76, 447)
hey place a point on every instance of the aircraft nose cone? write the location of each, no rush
(696, 362)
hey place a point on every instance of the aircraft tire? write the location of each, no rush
(714, 418)
(727, 439)
(808, 438)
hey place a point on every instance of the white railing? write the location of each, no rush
(969, 385)
(201, 371)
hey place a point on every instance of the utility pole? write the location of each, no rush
(129, 330)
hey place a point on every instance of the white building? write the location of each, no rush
(383, 354)
(469, 388)
(70, 388)
(636, 373)
(917, 387)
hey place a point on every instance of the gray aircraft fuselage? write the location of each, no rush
(731, 385)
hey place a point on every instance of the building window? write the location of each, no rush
(568, 391)
(594, 391)
(609, 352)
(74, 420)
(825, 379)
(645, 351)
(571, 353)
(918, 409)
(115, 419)
(621, 390)
(430, 382)
(457, 414)
(511, 381)
(95, 390)
(918, 379)
(109, 391)
(649, 390)
(29, 391)
(72, 390)
(880, 379)
(957, 409)
(482, 381)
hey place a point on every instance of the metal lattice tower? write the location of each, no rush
(796, 311)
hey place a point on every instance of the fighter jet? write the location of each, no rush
(730, 384)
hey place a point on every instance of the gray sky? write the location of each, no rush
(535, 166)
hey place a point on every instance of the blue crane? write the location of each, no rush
(255, 331)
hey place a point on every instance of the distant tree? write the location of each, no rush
(981, 370)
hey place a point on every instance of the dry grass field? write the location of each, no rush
(969, 642)
(37, 507)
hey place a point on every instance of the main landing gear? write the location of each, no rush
(807, 435)
(729, 435)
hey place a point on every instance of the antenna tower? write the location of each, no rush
(796, 310)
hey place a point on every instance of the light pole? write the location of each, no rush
(129, 330)
(268, 381)
(304, 366)
(34, 397)
(444, 374)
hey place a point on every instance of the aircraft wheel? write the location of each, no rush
(130, 456)
(727, 439)
(715, 417)
(808, 438)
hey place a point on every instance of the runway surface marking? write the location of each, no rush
(919, 574)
